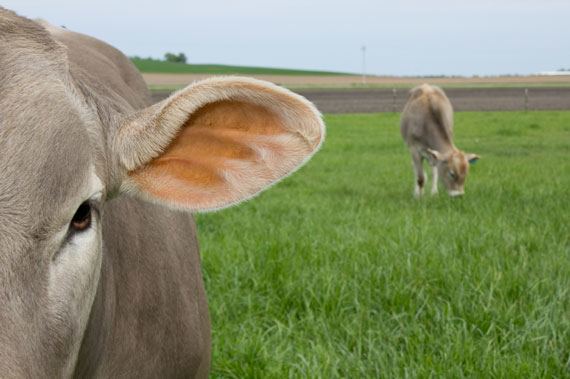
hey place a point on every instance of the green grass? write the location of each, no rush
(338, 272)
(153, 65)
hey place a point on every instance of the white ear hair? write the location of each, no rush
(215, 143)
(146, 134)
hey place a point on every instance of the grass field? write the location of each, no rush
(153, 65)
(338, 272)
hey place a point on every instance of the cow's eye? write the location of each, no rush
(452, 175)
(82, 218)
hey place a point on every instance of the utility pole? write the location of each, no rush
(363, 48)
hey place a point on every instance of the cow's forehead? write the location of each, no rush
(458, 163)
(45, 156)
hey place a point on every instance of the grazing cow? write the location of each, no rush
(427, 128)
(99, 267)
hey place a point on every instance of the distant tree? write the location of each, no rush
(176, 58)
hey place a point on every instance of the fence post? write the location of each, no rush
(394, 100)
(526, 99)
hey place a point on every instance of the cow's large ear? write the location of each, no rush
(472, 158)
(433, 156)
(216, 143)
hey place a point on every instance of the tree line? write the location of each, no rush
(168, 57)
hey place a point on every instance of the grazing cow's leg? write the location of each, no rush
(434, 180)
(420, 175)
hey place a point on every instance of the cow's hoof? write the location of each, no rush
(418, 193)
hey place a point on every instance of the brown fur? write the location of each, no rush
(76, 119)
(427, 128)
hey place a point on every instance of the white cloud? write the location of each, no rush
(403, 37)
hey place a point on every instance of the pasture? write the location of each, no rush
(154, 65)
(338, 272)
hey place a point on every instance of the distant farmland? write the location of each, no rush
(157, 66)
(165, 77)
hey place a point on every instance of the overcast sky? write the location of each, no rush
(409, 37)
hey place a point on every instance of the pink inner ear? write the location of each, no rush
(226, 151)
